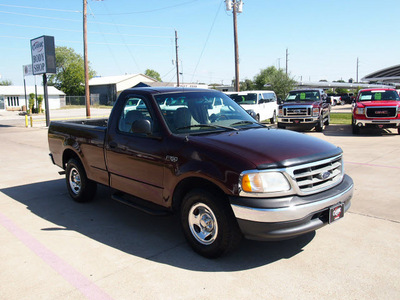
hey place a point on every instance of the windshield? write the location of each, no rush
(250, 98)
(378, 95)
(297, 96)
(202, 112)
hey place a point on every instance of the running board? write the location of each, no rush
(142, 205)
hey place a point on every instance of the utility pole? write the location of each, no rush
(357, 71)
(85, 58)
(287, 59)
(177, 61)
(236, 6)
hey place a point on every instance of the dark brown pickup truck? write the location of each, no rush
(199, 154)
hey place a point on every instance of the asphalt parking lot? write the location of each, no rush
(54, 248)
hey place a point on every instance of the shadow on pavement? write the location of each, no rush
(346, 131)
(159, 239)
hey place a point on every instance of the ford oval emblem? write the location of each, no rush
(324, 175)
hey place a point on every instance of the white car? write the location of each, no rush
(263, 103)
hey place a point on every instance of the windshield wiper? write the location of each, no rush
(246, 123)
(207, 125)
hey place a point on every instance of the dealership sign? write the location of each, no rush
(43, 55)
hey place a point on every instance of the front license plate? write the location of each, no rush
(336, 212)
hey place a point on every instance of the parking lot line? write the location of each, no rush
(371, 165)
(76, 279)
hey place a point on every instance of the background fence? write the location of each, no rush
(80, 100)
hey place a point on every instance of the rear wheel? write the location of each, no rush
(209, 224)
(79, 187)
(398, 130)
(328, 120)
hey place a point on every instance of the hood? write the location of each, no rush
(270, 148)
(379, 103)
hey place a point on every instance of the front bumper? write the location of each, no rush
(293, 120)
(264, 219)
(377, 122)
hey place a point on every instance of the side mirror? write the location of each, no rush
(141, 126)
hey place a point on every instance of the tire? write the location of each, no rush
(398, 130)
(354, 128)
(320, 125)
(208, 224)
(273, 119)
(79, 187)
(281, 126)
(328, 120)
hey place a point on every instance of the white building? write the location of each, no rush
(108, 88)
(12, 97)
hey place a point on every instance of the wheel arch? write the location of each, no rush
(191, 183)
(67, 155)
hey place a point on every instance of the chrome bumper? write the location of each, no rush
(302, 206)
(364, 122)
(300, 119)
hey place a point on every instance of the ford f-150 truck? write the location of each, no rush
(305, 108)
(198, 153)
(379, 108)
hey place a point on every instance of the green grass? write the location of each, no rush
(341, 118)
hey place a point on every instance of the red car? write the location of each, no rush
(378, 108)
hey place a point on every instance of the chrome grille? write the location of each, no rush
(317, 176)
(297, 111)
(381, 112)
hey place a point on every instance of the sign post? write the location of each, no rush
(27, 70)
(44, 61)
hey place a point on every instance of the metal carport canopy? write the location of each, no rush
(391, 74)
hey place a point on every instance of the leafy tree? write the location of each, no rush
(273, 79)
(70, 72)
(153, 74)
(5, 82)
(247, 85)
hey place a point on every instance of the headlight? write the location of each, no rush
(264, 182)
(360, 110)
(315, 111)
(280, 112)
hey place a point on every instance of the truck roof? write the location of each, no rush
(163, 89)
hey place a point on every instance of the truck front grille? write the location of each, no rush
(317, 176)
(381, 112)
(297, 111)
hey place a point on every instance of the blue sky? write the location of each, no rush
(323, 37)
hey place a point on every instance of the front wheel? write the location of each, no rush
(320, 125)
(209, 224)
(281, 126)
(273, 119)
(79, 187)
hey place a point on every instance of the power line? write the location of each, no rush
(148, 11)
(40, 8)
(91, 32)
(78, 20)
(208, 36)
